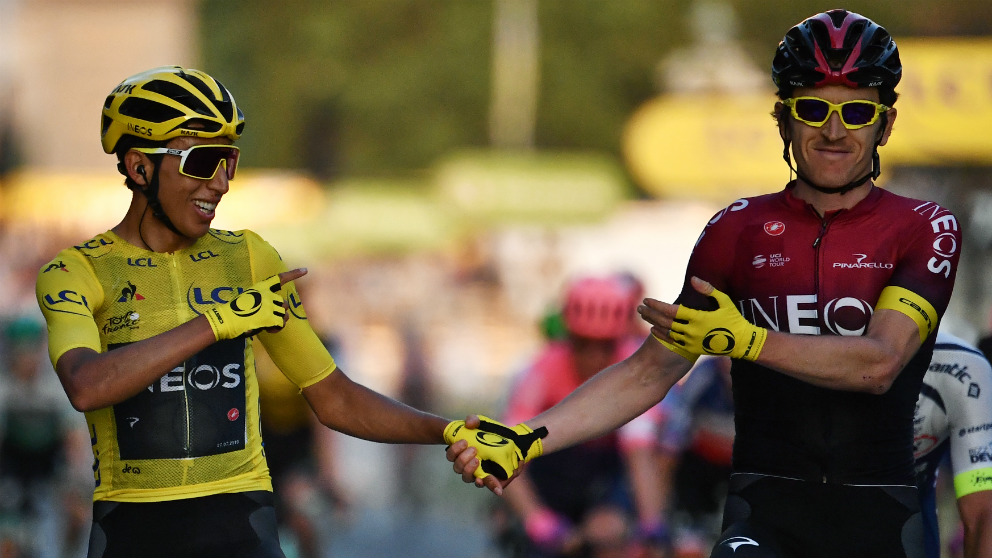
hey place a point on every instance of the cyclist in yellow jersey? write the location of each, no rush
(151, 331)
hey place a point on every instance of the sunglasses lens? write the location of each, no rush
(202, 162)
(856, 113)
(812, 110)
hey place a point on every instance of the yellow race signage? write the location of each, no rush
(724, 145)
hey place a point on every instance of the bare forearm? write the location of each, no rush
(975, 510)
(355, 410)
(612, 397)
(868, 363)
(95, 380)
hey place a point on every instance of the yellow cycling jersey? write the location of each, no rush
(195, 431)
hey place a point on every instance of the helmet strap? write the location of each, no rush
(151, 194)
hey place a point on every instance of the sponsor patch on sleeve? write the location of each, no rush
(912, 305)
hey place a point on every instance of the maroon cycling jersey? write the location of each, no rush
(790, 270)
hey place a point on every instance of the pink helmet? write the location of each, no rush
(598, 308)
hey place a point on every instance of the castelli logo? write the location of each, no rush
(233, 415)
(774, 228)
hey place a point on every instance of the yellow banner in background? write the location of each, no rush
(945, 104)
(714, 147)
(725, 145)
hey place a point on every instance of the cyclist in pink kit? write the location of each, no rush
(827, 296)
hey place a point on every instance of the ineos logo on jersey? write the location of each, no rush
(491, 440)
(719, 341)
(946, 243)
(832, 319)
(800, 314)
(736, 206)
(247, 304)
(204, 377)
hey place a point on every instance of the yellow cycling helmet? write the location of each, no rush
(168, 102)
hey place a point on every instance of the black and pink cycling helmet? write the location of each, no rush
(837, 47)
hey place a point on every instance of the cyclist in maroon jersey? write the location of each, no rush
(827, 296)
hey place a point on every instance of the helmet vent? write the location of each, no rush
(209, 126)
(143, 109)
(180, 95)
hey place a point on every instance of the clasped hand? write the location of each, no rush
(500, 450)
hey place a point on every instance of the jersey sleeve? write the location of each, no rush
(709, 260)
(970, 425)
(67, 292)
(296, 349)
(928, 264)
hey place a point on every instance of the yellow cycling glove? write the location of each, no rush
(501, 449)
(719, 332)
(258, 307)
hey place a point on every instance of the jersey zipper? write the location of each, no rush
(817, 245)
(186, 442)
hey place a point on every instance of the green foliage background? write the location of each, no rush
(381, 87)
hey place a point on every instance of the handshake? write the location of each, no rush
(501, 449)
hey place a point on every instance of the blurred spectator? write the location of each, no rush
(302, 461)
(696, 437)
(44, 506)
(576, 502)
(415, 389)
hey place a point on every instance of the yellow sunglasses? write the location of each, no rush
(853, 114)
